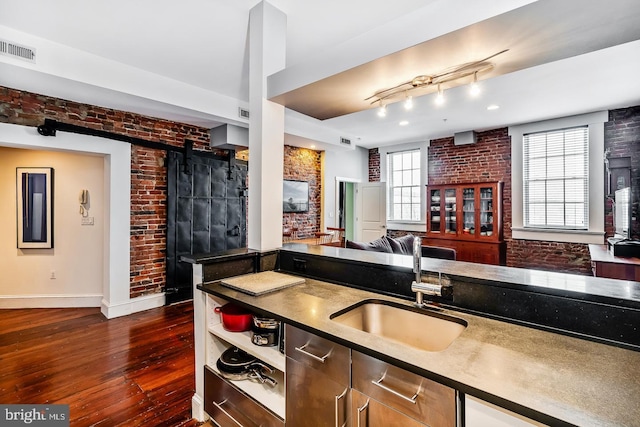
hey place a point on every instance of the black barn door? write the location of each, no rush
(206, 213)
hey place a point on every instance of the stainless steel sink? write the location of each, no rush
(418, 328)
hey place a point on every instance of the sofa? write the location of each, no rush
(402, 245)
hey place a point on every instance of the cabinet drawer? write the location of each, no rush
(228, 406)
(369, 412)
(420, 398)
(311, 350)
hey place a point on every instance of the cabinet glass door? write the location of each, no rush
(434, 212)
(469, 210)
(486, 211)
(451, 224)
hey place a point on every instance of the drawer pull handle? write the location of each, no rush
(411, 399)
(219, 406)
(343, 394)
(313, 356)
(361, 409)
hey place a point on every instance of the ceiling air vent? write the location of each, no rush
(345, 141)
(243, 113)
(16, 51)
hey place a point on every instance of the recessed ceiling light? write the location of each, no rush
(403, 123)
(313, 146)
(493, 107)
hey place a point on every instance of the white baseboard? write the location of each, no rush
(134, 305)
(197, 408)
(49, 301)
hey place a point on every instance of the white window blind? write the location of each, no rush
(555, 179)
(404, 185)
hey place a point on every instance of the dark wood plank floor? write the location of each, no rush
(130, 371)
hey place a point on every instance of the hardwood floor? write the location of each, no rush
(130, 371)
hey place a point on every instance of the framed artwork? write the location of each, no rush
(35, 213)
(295, 196)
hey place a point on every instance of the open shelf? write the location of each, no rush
(219, 339)
(273, 398)
(270, 355)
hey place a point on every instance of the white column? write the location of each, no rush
(267, 48)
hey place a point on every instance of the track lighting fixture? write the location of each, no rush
(474, 89)
(408, 102)
(440, 96)
(382, 111)
(422, 83)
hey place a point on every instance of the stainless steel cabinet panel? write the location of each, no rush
(368, 412)
(228, 406)
(422, 399)
(314, 399)
(334, 360)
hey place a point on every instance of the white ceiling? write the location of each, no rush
(198, 48)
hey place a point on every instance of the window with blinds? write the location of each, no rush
(404, 185)
(555, 178)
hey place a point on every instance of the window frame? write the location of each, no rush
(595, 232)
(391, 204)
(423, 146)
(562, 178)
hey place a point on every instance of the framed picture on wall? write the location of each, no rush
(34, 207)
(295, 196)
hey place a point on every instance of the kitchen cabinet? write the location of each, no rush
(482, 414)
(270, 399)
(228, 406)
(467, 218)
(368, 412)
(318, 380)
(390, 389)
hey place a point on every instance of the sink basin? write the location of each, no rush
(411, 326)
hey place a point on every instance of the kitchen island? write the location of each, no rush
(556, 378)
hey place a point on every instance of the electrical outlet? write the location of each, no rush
(53, 274)
(299, 265)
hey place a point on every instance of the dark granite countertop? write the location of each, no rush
(608, 291)
(206, 258)
(553, 378)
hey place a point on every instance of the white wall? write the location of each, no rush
(76, 258)
(351, 165)
(116, 156)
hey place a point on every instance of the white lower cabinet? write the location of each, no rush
(478, 413)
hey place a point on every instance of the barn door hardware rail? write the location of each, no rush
(50, 127)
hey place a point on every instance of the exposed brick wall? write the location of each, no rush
(302, 164)
(488, 160)
(551, 256)
(148, 177)
(622, 139)
(374, 165)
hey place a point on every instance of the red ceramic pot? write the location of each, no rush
(235, 318)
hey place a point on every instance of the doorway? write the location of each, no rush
(346, 206)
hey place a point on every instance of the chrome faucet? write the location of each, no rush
(425, 288)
